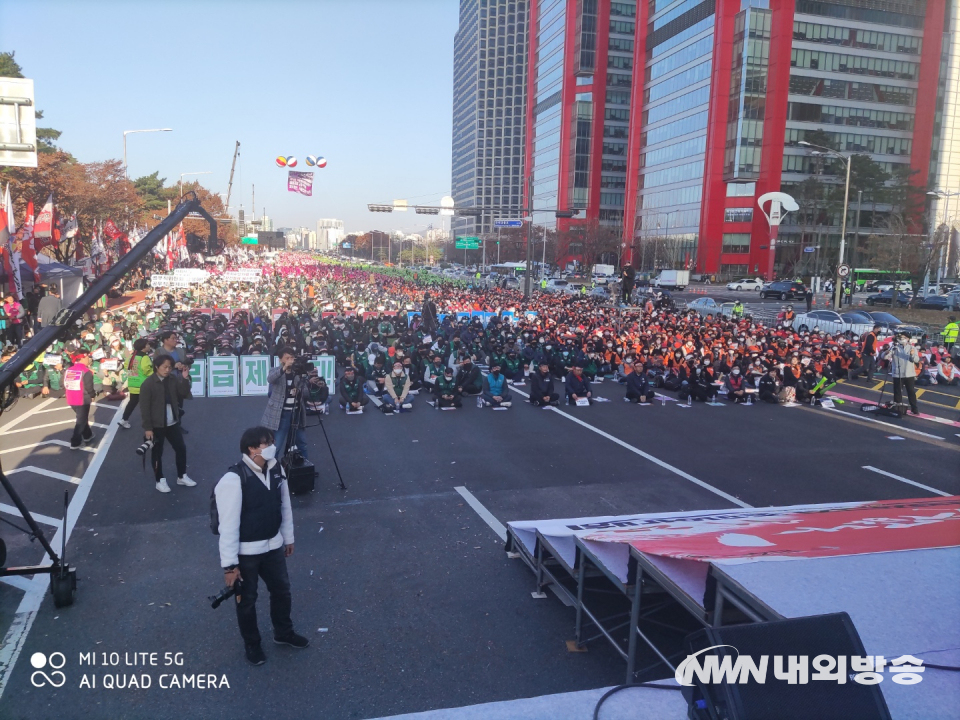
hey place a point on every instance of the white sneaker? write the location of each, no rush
(185, 480)
(162, 485)
(124, 423)
(405, 406)
(507, 404)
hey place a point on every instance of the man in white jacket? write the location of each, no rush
(256, 537)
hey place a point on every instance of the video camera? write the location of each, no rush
(302, 365)
(225, 594)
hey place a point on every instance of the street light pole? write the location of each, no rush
(848, 160)
(128, 132)
(182, 175)
(527, 290)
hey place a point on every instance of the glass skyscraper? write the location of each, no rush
(489, 109)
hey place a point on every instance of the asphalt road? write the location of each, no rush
(421, 607)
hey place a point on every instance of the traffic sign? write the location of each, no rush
(507, 223)
(843, 271)
(249, 241)
(468, 243)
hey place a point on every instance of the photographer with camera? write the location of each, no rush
(288, 387)
(255, 524)
(161, 396)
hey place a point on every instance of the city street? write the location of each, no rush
(401, 586)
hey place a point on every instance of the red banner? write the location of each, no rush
(111, 230)
(806, 531)
(43, 227)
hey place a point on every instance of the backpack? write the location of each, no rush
(240, 470)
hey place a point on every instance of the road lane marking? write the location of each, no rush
(72, 421)
(484, 514)
(45, 519)
(47, 473)
(899, 428)
(68, 407)
(62, 443)
(26, 612)
(29, 413)
(909, 482)
(21, 583)
(648, 456)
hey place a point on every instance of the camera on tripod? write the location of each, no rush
(302, 365)
(144, 447)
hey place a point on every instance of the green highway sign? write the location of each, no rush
(249, 241)
(468, 243)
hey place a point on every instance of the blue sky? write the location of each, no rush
(365, 83)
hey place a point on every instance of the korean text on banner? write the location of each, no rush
(253, 374)
(300, 182)
(222, 380)
(326, 366)
(198, 378)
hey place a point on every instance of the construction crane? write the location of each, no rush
(232, 168)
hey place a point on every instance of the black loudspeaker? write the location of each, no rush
(774, 699)
(300, 478)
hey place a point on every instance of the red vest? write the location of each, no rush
(73, 382)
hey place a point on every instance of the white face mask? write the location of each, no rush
(269, 453)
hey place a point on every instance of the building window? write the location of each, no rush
(736, 242)
(738, 215)
(741, 189)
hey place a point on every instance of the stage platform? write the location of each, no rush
(893, 566)
(642, 703)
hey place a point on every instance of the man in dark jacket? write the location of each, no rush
(49, 306)
(577, 386)
(428, 315)
(469, 380)
(161, 395)
(628, 276)
(541, 386)
(351, 391)
(638, 388)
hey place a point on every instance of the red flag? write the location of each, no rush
(27, 252)
(111, 230)
(43, 227)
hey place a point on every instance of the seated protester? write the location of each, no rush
(811, 387)
(792, 372)
(445, 390)
(351, 391)
(591, 365)
(754, 374)
(414, 374)
(32, 381)
(469, 380)
(512, 367)
(434, 370)
(53, 386)
(577, 386)
(541, 386)
(735, 386)
(947, 372)
(318, 394)
(851, 363)
(926, 374)
(701, 387)
(398, 389)
(769, 387)
(638, 387)
(496, 393)
(377, 378)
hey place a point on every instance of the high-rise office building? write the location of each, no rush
(582, 57)
(489, 106)
(730, 88)
(329, 234)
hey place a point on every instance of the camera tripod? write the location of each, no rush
(290, 450)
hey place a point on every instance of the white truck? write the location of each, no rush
(602, 274)
(672, 279)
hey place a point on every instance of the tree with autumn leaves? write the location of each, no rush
(98, 191)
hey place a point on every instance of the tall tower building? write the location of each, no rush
(728, 91)
(489, 106)
(582, 58)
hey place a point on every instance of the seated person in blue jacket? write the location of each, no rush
(638, 387)
(541, 386)
(577, 386)
(496, 392)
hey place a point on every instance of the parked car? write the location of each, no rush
(886, 298)
(601, 292)
(933, 302)
(833, 323)
(884, 285)
(891, 324)
(556, 286)
(745, 284)
(511, 282)
(783, 290)
(705, 306)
